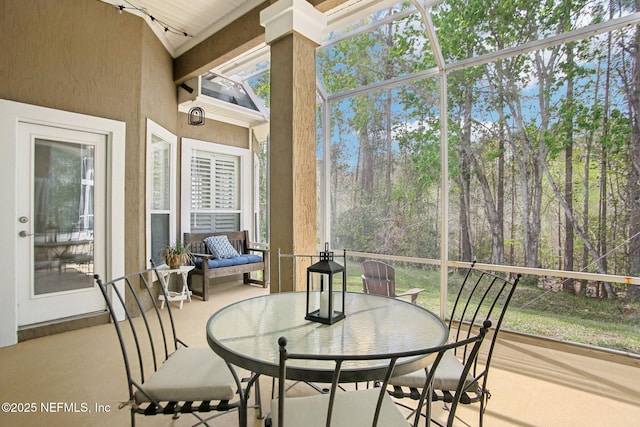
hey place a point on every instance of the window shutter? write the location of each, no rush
(201, 178)
(215, 195)
(226, 194)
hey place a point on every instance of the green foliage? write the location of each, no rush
(496, 110)
(534, 310)
(511, 123)
(177, 249)
(352, 229)
(261, 86)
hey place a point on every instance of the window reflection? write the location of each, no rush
(63, 216)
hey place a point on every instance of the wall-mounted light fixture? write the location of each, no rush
(196, 116)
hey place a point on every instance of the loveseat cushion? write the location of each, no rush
(227, 262)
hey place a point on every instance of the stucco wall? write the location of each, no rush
(214, 131)
(74, 55)
(84, 56)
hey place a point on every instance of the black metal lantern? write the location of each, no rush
(326, 287)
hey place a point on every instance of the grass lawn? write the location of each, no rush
(559, 315)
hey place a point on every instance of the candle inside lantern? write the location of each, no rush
(324, 304)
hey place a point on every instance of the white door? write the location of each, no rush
(62, 188)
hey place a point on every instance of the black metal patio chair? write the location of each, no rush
(481, 296)
(365, 407)
(164, 375)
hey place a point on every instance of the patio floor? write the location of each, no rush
(530, 385)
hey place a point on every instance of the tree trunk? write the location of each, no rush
(465, 179)
(634, 152)
(568, 284)
(388, 148)
(465, 229)
(367, 169)
(602, 223)
(499, 227)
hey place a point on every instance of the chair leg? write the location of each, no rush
(429, 401)
(258, 399)
(205, 288)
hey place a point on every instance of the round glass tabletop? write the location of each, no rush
(246, 335)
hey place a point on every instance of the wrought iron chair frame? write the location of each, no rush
(464, 318)
(474, 342)
(160, 344)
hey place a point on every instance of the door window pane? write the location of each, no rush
(63, 216)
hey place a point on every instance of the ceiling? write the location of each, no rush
(199, 19)
(182, 24)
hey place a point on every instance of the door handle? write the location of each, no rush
(23, 233)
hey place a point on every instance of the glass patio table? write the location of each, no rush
(246, 334)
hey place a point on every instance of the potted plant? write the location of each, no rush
(176, 255)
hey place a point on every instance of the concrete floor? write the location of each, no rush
(530, 385)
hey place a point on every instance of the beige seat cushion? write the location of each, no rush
(351, 409)
(447, 375)
(190, 374)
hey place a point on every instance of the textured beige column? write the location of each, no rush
(293, 137)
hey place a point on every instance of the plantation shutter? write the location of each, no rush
(215, 195)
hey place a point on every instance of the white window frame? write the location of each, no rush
(256, 199)
(154, 129)
(244, 179)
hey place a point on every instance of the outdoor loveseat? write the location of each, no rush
(212, 258)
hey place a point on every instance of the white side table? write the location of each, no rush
(165, 273)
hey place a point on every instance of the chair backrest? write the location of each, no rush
(378, 278)
(147, 336)
(473, 342)
(481, 296)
